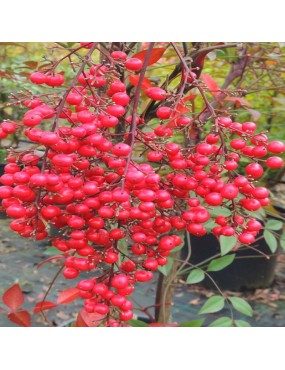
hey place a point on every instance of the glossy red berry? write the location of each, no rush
(133, 64)
(156, 93)
(38, 78)
(274, 162)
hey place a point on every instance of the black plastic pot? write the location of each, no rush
(249, 270)
(2, 165)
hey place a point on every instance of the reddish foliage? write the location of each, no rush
(42, 306)
(134, 80)
(22, 318)
(155, 55)
(68, 295)
(13, 297)
(85, 319)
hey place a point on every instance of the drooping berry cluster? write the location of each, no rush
(119, 214)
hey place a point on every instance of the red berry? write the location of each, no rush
(156, 93)
(214, 199)
(120, 281)
(38, 78)
(229, 191)
(16, 211)
(276, 147)
(246, 238)
(274, 162)
(163, 112)
(70, 273)
(133, 64)
(254, 170)
(118, 55)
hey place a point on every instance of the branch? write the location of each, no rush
(131, 137)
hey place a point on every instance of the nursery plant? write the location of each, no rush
(133, 151)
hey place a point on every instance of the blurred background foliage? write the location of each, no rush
(257, 95)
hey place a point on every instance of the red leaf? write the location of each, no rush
(211, 84)
(134, 80)
(239, 101)
(85, 319)
(68, 295)
(180, 109)
(42, 306)
(199, 61)
(155, 55)
(13, 297)
(22, 318)
(50, 259)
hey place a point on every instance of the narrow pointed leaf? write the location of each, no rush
(155, 55)
(43, 306)
(193, 323)
(220, 263)
(274, 225)
(211, 84)
(241, 306)
(222, 322)
(213, 304)
(134, 80)
(242, 323)
(195, 276)
(227, 243)
(137, 323)
(270, 240)
(68, 295)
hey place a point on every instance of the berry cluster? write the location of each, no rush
(119, 215)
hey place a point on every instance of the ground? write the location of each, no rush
(19, 258)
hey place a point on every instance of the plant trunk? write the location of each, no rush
(165, 292)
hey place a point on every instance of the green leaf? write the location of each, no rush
(242, 323)
(227, 243)
(260, 214)
(221, 212)
(222, 322)
(274, 225)
(282, 241)
(52, 251)
(220, 263)
(241, 306)
(137, 323)
(213, 304)
(193, 323)
(195, 276)
(270, 240)
(166, 268)
(209, 225)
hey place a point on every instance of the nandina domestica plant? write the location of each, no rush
(127, 169)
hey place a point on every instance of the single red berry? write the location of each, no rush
(163, 112)
(276, 147)
(254, 170)
(120, 281)
(38, 78)
(133, 64)
(274, 162)
(156, 93)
